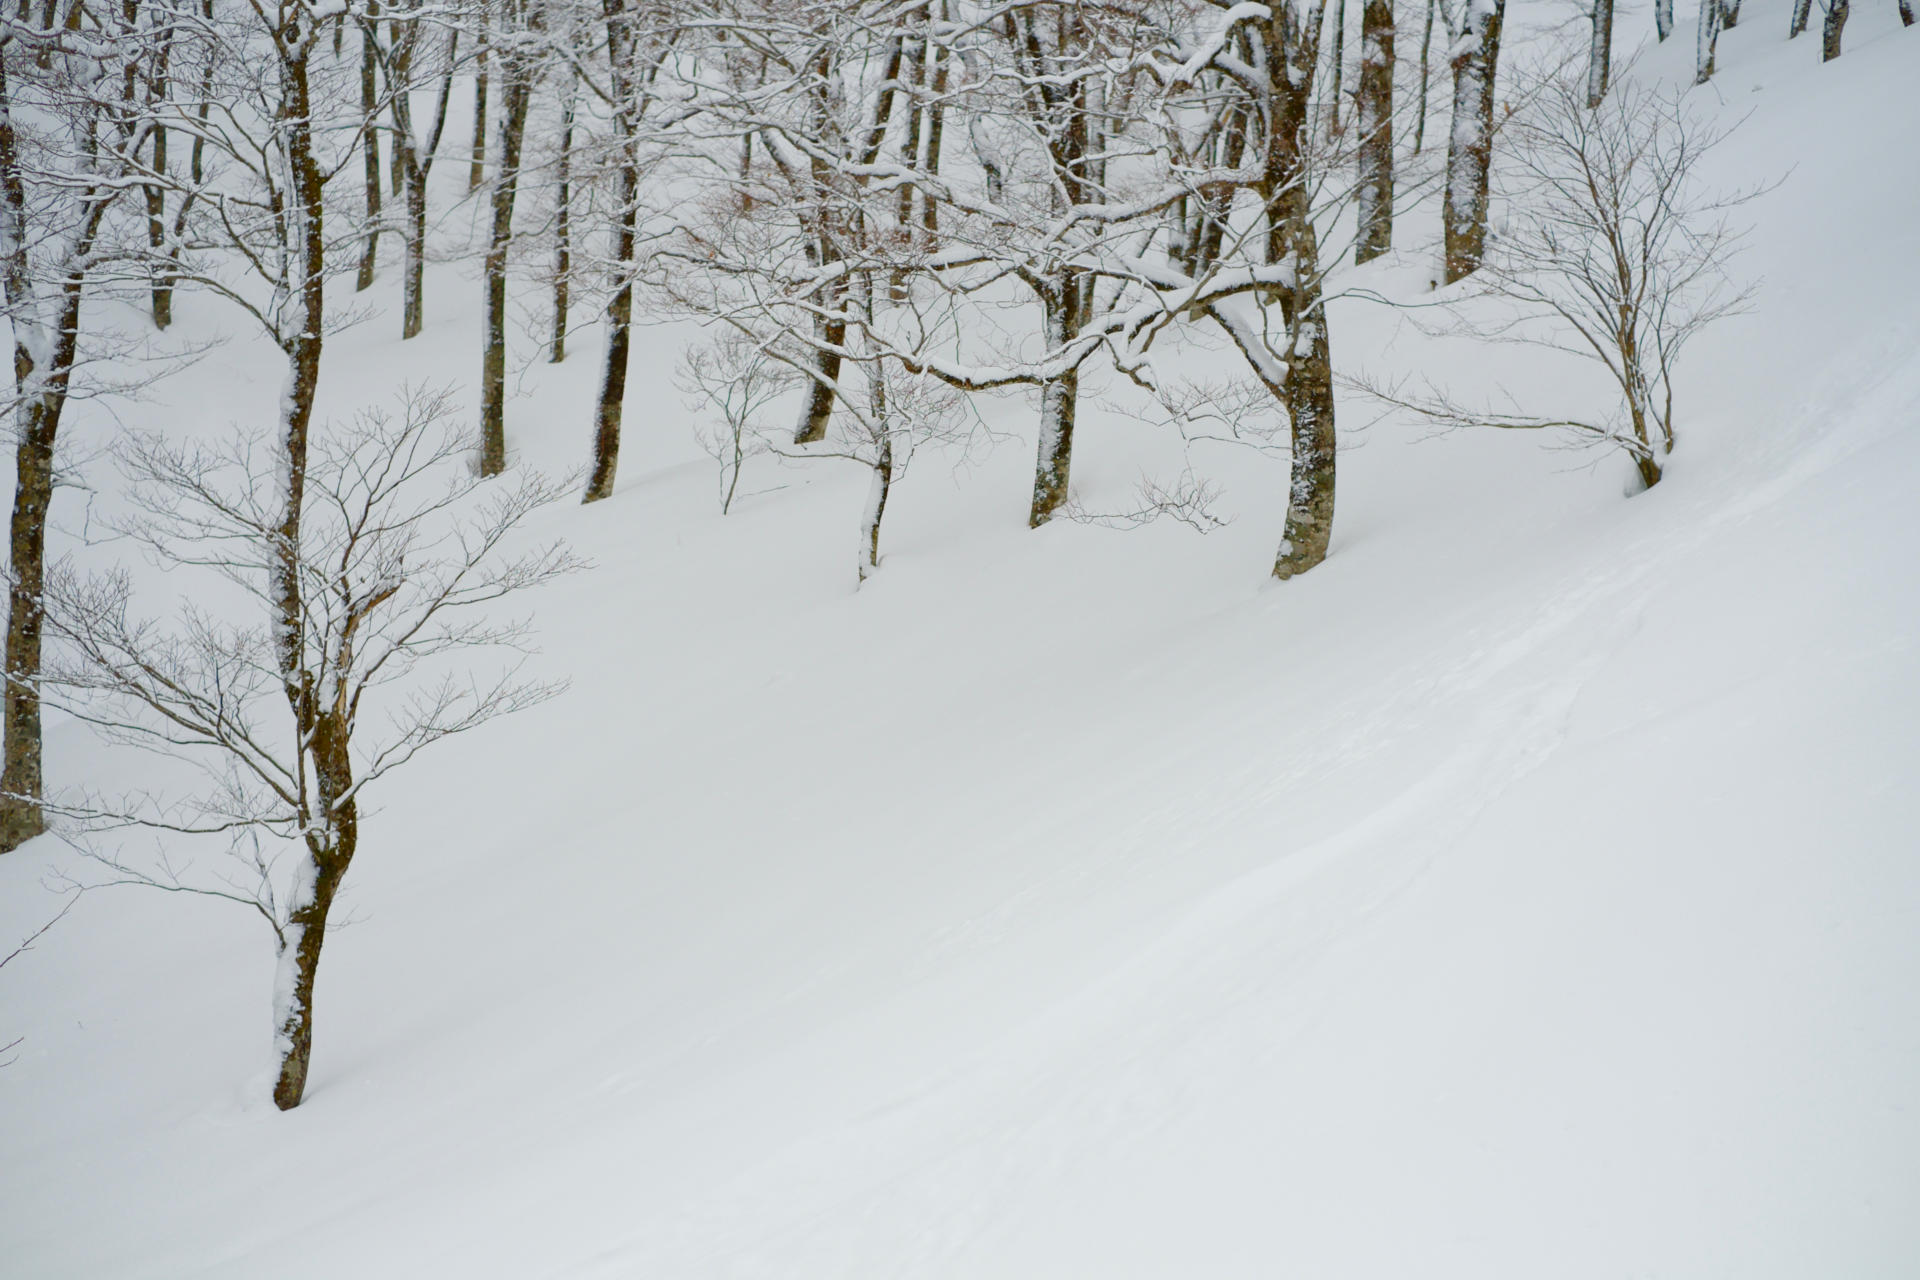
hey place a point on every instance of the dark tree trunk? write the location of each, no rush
(563, 230)
(1600, 53)
(1470, 143)
(1729, 14)
(1376, 131)
(156, 195)
(477, 171)
(1831, 28)
(1662, 18)
(1802, 9)
(369, 146)
(516, 90)
(1906, 13)
(608, 411)
(1420, 113)
(413, 288)
(21, 783)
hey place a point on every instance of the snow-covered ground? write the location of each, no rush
(1532, 890)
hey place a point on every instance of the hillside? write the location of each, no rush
(1533, 889)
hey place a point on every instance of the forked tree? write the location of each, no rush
(290, 720)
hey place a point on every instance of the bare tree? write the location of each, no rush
(1600, 52)
(1376, 131)
(290, 722)
(1612, 252)
(1706, 37)
(517, 61)
(739, 381)
(1836, 22)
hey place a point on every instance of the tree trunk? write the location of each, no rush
(1600, 54)
(477, 171)
(1830, 30)
(21, 783)
(562, 229)
(369, 147)
(1376, 131)
(1420, 113)
(816, 404)
(413, 288)
(1663, 18)
(1705, 38)
(156, 194)
(1337, 61)
(1801, 11)
(1470, 143)
(1729, 14)
(515, 90)
(1906, 13)
(613, 372)
(334, 829)
(1059, 400)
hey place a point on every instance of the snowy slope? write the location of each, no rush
(1531, 890)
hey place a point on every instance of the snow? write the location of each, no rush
(1528, 890)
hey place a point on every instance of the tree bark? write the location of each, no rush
(1420, 113)
(1376, 131)
(1802, 9)
(1662, 18)
(1831, 28)
(369, 146)
(156, 193)
(1470, 142)
(1337, 62)
(477, 171)
(563, 229)
(1600, 55)
(1059, 400)
(610, 408)
(516, 90)
(1705, 38)
(1729, 14)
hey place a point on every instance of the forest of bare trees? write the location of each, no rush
(836, 190)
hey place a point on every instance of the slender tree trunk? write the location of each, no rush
(1470, 143)
(1705, 38)
(1376, 131)
(817, 399)
(413, 288)
(1831, 28)
(613, 371)
(1663, 18)
(609, 410)
(156, 194)
(1801, 10)
(369, 146)
(1420, 113)
(477, 172)
(562, 227)
(515, 90)
(1729, 14)
(1337, 62)
(1600, 54)
(1906, 13)
(936, 128)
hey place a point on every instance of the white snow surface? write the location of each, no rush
(1531, 890)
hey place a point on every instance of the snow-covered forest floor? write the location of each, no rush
(1531, 890)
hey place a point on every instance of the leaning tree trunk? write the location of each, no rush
(1705, 38)
(1059, 399)
(1376, 131)
(1831, 28)
(1470, 143)
(333, 833)
(515, 90)
(1600, 54)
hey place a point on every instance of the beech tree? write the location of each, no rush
(291, 720)
(1375, 122)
